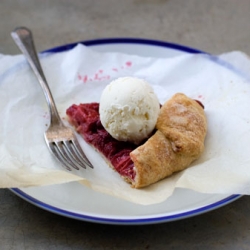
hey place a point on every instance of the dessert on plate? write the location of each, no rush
(172, 141)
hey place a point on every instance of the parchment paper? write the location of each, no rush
(80, 75)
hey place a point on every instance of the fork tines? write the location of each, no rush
(70, 154)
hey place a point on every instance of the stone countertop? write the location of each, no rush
(209, 25)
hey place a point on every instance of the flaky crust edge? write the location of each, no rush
(178, 141)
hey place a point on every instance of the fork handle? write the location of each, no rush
(24, 40)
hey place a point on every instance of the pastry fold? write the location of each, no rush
(177, 142)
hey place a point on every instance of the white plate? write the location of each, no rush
(79, 202)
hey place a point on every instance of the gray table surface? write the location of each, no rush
(209, 25)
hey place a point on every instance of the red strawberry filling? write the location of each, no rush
(86, 119)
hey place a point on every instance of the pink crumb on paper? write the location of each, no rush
(46, 115)
(82, 78)
(200, 96)
(85, 78)
(129, 64)
(103, 77)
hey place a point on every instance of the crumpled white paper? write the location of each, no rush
(80, 75)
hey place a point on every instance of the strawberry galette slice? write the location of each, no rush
(178, 140)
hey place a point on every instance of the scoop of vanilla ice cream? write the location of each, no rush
(129, 109)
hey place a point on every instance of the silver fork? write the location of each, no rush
(60, 139)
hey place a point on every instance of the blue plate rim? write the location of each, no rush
(141, 221)
(126, 40)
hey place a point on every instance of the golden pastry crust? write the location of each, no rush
(178, 141)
